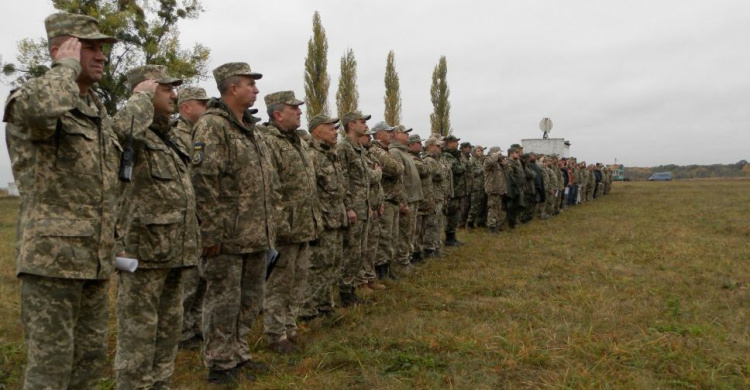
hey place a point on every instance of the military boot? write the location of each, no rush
(381, 271)
(416, 257)
(390, 273)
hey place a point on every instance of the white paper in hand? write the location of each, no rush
(126, 264)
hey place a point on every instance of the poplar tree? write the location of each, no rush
(392, 97)
(347, 96)
(440, 121)
(317, 80)
(147, 32)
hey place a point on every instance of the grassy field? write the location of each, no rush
(646, 288)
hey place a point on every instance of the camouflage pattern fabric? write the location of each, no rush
(182, 133)
(233, 174)
(392, 171)
(357, 184)
(453, 210)
(495, 211)
(515, 186)
(325, 270)
(298, 222)
(389, 224)
(234, 297)
(193, 294)
(284, 289)
(158, 211)
(65, 156)
(149, 320)
(367, 273)
(65, 331)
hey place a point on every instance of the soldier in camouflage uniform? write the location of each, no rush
(465, 158)
(515, 182)
(413, 195)
(327, 251)
(452, 157)
(191, 102)
(65, 156)
(551, 188)
(161, 231)
(478, 209)
(426, 206)
(367, 279)
(232, 175)
(560, 189)
(542, 192)
(495, 188)
(393, 194)
(298, 220)
(351, 154)
(432, 225)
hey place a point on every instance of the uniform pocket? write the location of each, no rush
(77, 146)
(160, 162)
(159, 235)
(65, 243)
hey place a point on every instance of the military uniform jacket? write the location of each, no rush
(295, 198)
(426, 205)
(453, 158)
(469, 172)
(494, 175)
(515, 180)
(65, 156)
(393, 173)
(233, 174)
(181, 132)
(159, 219)
(376, 196)
(356, 177)
(412, 183)
(477, 185)
(329, 180)
(439, 174)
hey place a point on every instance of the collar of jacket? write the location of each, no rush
(356, 146)
(376, 143)
(453, 152)
(398, 145)
(320, 145)
(160, 124)
(291, 135)
(219, 107)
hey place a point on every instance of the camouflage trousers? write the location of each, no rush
(192, 303)
(388, 233)
(478, 209)
(355, 244)
(407, 225)
(284, 291)
(495, 211)
(590, 192)
(367, 273)
(149, 324)
(419, 233)
(65, 331)
(234, 295)
(552, 199)
(465, 206)
(453, 214)
(325, 269)
(431, 228)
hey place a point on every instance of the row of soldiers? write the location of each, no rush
(227, 216)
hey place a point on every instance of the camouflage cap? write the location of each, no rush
(352, 116)
(495, 149)
(380, 126)
(516, 146)
(451, 138)
(230, 69)
(465, 145)
(403, 129)
(320, 119)
(75, 25)
(477, 147)
(157, 73)
(415, 138)
(282, 97)
(191, 93)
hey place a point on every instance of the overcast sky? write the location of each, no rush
(646, 82)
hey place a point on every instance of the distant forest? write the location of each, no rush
(739, 169)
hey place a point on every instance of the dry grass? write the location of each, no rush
(646, 288)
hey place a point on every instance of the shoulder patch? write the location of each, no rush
(197, 157)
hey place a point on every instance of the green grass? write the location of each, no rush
(646, 288)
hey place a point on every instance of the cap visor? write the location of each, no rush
(366, 117)
(98, 37)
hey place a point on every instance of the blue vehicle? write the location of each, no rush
(661, 176)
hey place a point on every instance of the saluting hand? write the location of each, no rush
(146, 86)
(71, 48)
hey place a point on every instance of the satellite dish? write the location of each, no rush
(545, 125)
